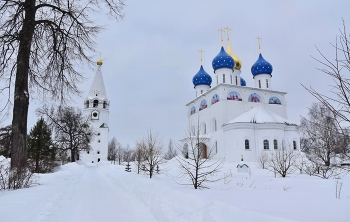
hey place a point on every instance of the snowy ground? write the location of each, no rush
(105, 192)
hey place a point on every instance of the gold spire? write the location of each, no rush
(201, 51)
(228, 34)
(222, 41)
(99, 61)
(238, 61)
(258, 38)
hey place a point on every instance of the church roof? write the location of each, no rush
(97, 88)
(260, 115)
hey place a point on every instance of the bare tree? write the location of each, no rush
(119, 153)
(196, 164)
(281, 161)
(41, 45)
(5, 140)
(300, 162)
(171, 153)
(263, 159)
(321, 136)
(338, 101)
(71, 129)
(138, 155)
(152, 152)
(112, 150)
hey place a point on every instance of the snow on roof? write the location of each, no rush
(259, 114)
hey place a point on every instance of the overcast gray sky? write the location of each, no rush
(151, 56)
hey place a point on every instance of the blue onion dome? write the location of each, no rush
(243, 83)
(261, 66)
(223, 60)
(201, 78)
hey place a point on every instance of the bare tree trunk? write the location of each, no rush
(21, 98)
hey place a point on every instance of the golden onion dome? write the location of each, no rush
(238, 61)
(99, 62)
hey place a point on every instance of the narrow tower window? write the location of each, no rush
(267, 83)
(223, 78)
(231, 79)
(259, 84)
(104, 104)
(246, 144)
(95, 103)
(217, 80)
(236, 81)
(294, 145)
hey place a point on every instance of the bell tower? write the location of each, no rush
(96, 108)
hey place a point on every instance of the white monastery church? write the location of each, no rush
(96, 107)
(236, 120)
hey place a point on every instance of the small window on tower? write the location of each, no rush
(95, 103)
(99, 141)
(236, 81)
(267, 83)
(98, 152)
(223, 78)
(98, 134)
(259, 84)
(98, 160)
(88, 152)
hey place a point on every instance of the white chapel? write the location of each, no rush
(96, 108)
(236, 120)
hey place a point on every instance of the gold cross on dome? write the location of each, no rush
(201, 51)
(258, 38)
(222, 41)
(228, 33)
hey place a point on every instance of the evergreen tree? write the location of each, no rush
(40, 149)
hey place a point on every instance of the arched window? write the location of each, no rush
(231, 79)
(246, 144)
(201, 91)
(267, 83)
(236, 81)
(266, 144)
(275, 146)
(217, 80)
(87, 104)
(259, 84)
(104, 104)
(95, 103)
(223, 78)
(294, 145)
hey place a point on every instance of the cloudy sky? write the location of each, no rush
(151, 56)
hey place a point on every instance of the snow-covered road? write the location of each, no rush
(94, 197)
